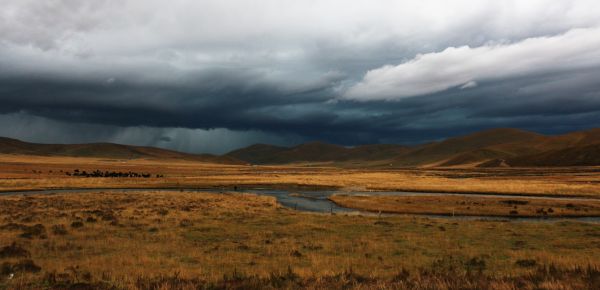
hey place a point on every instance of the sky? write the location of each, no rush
(213, 76)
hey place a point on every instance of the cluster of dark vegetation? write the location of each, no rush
(13, 251)
(59, 230)
(98, 173)
(76, 224)
(543, 211)
(23, 265)
(514, 202)
(28, 232)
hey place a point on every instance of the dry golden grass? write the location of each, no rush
(116, 238)
(158, 239)
(470, 205)
(27, 173)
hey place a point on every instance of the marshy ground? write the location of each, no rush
(128, 239)
(33, 172)
(187, 240)
(457, 205)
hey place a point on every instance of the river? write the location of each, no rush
(317, 200)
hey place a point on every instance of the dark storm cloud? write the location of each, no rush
(219, 100)
(286, 72)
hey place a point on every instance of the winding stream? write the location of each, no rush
(317, 200)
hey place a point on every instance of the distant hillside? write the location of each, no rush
(572, 149)
(105, 150)
(588, 155)
(490, 148)
(257, 154)
(471, 148)
(315, 152)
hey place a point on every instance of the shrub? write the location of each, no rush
(296, 253)
(514, 202)
(477, 264)
(526, 263)
(13, 251)
(26, 266)
(59, 230)
(76, 224)
(34, 231)
(21, 266)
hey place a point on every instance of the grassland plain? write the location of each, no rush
(471, 205)
(29, 173)
(185, 240)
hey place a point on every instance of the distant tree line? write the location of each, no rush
(98, 173)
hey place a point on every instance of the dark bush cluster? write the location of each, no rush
(76, 224)
(543, 211)
(30, 232)
(526, 263)
(21, 266)
(98, 173)
(13, 251)
(514, 202)
(59, 230)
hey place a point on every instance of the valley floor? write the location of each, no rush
(183, 240)
(31, 173)
(132, 240)
(471, 205)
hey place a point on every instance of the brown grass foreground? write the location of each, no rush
(184, 240)
(470, 205)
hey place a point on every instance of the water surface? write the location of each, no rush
(317, 201)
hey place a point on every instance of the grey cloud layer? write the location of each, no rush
(365, 72)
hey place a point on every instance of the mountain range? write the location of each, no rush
(490, 148)
(502, 147)
(105, 150)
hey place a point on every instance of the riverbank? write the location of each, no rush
(122, 239)
(437, 205)
(466, 205)
(35, 173)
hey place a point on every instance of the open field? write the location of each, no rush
(29, 173)
(291, 145)
(178, 239)
(183, 240)
(470, 205)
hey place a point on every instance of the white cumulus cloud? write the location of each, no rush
(464, 66)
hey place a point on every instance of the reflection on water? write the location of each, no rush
(317, 201)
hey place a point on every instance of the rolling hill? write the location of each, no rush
(588, 155)
(490, 148)
(471, 148)
(316, 152)
(105, 150)
(257, 153)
